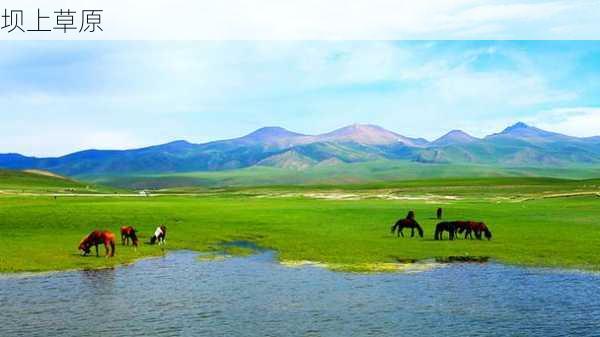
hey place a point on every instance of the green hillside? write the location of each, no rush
(34, 181)
(348, 173)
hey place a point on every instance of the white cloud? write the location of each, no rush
(147, 93)
(575, 121)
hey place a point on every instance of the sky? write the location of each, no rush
(58, 97)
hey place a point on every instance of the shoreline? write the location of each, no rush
(364, 268)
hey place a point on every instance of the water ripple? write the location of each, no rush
(254, 296)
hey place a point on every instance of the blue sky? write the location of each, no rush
(57, 97)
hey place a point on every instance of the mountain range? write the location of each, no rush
(519, 145)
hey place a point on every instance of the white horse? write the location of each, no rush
(160, 235)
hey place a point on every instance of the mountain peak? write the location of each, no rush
(362, 133)
(529, 133)
(454, 137)
(518, 126)
(176, 145)
(270, 132)
(371, 134)
(354, 128)
(273, 136)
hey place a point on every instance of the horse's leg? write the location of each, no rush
(96, 249)
(412, 232)
(400, 232)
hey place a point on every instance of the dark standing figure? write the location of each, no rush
(438, 213)
(410, 215)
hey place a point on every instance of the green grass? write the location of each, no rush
(531, 225)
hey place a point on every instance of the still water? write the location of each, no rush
(177, 295)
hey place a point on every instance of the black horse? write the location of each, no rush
(407, 223)
(446, 226)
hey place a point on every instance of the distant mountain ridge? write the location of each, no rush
(517, 145)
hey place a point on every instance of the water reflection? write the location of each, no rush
(253, 296)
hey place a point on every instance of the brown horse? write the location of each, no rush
(407, 223)
(128, 233)
(98, 237)
(469, 227)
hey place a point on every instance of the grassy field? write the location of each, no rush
(536, 222)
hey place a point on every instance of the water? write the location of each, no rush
(254, 296)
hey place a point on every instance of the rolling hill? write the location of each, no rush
(517, 146)
(37, 181)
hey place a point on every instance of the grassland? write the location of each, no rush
(535, 222)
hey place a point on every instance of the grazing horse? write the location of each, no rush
(469, 227)
(128, 233)
(407, 223)
(160, 235)
(98, 237)
(448, 226)
(438, 213)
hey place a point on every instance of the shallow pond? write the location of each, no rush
(255, 296)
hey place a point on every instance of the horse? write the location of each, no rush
(469, 227)
(407, 223)
(448, 226)
(160, 235)
(98, 237)
(410, 215)
(438, 213)
(127, 233)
